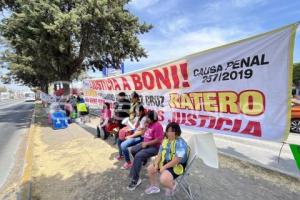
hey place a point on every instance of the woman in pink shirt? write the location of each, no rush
(105, 116)
(68, 108)
(141, 152)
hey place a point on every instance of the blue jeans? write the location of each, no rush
(141, 155)
(124, 144)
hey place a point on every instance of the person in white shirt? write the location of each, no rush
(130, 136)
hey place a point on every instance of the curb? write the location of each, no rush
(26, 182)
(257, 164)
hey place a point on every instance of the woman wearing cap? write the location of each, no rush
(170, 161)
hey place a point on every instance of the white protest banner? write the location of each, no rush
(241, 89)
(47, 98)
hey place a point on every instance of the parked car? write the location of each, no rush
(295, 118)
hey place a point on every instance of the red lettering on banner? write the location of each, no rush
(116, 84)
(212, 122)
(126, 86)
(148, 80)
(162, 78)
(161, 114)
(203, 119)
(184, 72)
(237, 125)
(109, 84)
(95, 85)
(175, 76)
(191, 118)
(253, 128)
(106, 84)
(220, 124)
(138, 85)
(217, 123)
(101, 85)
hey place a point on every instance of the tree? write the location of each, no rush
(63, 38)
(6, 79)
(296, 73)
(5, 4)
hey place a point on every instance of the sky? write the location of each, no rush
(189, 26)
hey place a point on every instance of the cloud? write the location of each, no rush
(245, 3)
(166, 49)
(174, 25)
(142, 4)
(198, 40)
(182, 28)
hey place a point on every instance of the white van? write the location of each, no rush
(29, 96)
(4, 95)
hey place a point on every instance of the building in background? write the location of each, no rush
(109, 71)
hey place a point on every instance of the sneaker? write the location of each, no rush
(119, 157)
(127, 165)
(170, 192)
(134, 184)
(152, 190)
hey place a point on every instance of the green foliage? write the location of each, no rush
(6, 4)
(296, 73)
(56, 40)
(6, 79)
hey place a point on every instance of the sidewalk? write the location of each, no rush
(264, 153)
(71, 164)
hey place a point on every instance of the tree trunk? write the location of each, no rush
(44, 87)
(65, 81)
(66, 87)
(55, 87)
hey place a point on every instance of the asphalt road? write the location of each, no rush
(15, 119)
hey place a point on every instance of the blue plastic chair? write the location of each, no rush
(59, 120)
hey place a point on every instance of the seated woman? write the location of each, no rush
(68, 108)
(129, 137)
(141, 152)
(170, 161)
(105, 117)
